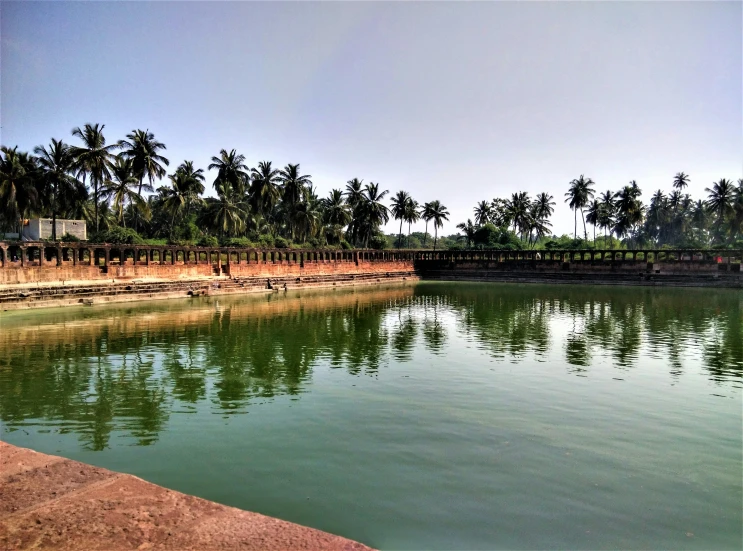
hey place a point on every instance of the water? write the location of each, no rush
(436, 416)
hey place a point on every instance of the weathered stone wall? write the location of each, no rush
(293, 269)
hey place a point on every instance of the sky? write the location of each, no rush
(452, 101)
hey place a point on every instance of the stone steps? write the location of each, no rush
(87, 293)
(691, 280)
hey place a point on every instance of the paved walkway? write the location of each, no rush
(48, 502)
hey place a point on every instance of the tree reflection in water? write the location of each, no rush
(126, 368)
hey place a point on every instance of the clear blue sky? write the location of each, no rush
(450, 101)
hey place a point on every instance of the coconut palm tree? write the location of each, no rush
(518, 211)
(483, 212)
(232, 172)
(224, 214)
(186, 187)
(294, 183)
(19, 190)
(719, 201)
(399, 210)
(439, 213)
(593, 215)
(57, 164)
(336, 213)
(354, 192)
(305, 219)
(578, 196)
(468, 229)
(412, 215)
(680, 181)
(121, 188)
(93, 159)
(427, 214)
(265, 187)
(143, 149)
(371, 212)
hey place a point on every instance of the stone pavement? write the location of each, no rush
(48, 502)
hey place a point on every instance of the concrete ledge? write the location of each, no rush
(48, 502)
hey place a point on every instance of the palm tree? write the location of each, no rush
(142, 148)
(578, 196)
(18, 185)
(593, 215)
(518, 211)
(265, 190)
(412, 215)
(231, 171)
(439, 213)
(354, 192)
(294, 183)
(121, 188)
(680, 181)
(224, 213)
(427, 214)
(371, 212)
(57, 164)
(719, 200)
(469, 230)
(186, 186)
(336, 213)
(93, 159)
(305, 219)
(399, 210)
(736, 227)
(483, 212)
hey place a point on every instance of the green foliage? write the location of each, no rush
(208, 241)
(69, 238)
(379, 242)
(491, 237)
(281, 243)
(346, 245)
(565, 242)
(117, 234)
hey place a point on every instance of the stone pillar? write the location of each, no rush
(106, 256)
(5, 257)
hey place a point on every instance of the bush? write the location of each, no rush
(118, 235)
(281, 243)
(242, 242)
(208, 241)
(69, 238)
(378, 242)
(265, 241)
(491, 237)
(345, 245)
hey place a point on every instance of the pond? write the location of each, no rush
(428, 416)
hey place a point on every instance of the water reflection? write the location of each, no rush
(128, 368)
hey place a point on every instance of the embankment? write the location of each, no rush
(43, 274)
(48, 502)
(586, 273)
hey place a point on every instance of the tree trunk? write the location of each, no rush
(409, 234)
(425, 235)
(399, 237)
(95, 200)
(575, 230)
(436, 235)
(139, 192)
(54, 213)
(585, 232)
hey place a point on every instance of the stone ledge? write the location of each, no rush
(48, 502)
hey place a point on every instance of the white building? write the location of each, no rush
(41, 228)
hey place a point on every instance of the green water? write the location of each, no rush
(436, 416)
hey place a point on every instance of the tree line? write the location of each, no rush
(674, 219)
(105, 184)
(112, 187)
